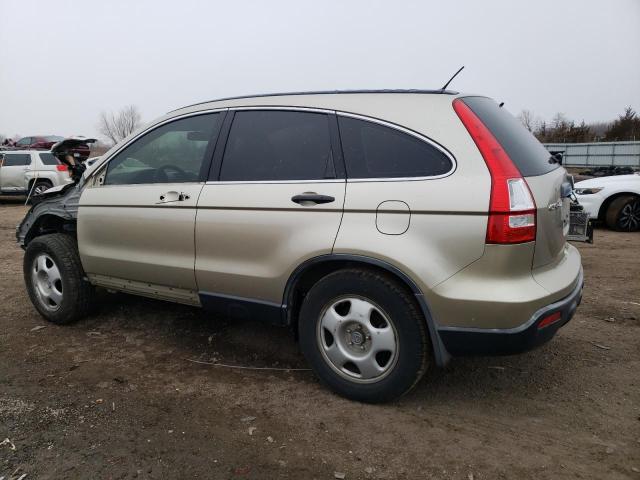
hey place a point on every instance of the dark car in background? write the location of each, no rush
(40, 142)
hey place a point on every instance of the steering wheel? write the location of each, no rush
(162, 174)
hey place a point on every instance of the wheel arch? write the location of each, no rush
(602, 212)
(312, 270)
(49, 223)
(33, 180)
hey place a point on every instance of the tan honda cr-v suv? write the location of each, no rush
(390, 229)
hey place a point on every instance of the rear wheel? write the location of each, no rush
(55, 279)
(364, 335)
(41, 186)
(623, 214)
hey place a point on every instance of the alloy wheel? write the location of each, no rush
(357, 339)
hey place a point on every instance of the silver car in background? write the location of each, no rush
(24, 172)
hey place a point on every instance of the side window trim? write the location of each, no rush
(406, 131)
(336, 147)
(334, 137)
(101, 168)
(221, 145)
(211, 148)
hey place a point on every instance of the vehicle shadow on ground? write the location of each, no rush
(8, 201)
(191, 333)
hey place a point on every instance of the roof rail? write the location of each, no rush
(322, 92)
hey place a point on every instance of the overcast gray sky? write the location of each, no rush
(62, 62)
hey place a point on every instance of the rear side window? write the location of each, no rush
(16, 159)
(48, 159)
(524, 150)
(375, 151)
(278, 145)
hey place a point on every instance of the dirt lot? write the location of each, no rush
(114, 397)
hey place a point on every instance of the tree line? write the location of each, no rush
(562, 130)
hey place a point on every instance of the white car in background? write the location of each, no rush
(30, 171)
(613, 200)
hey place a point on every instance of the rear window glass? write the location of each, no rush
(375, 151)
(16, 159)
(525, 151)
(48, 159)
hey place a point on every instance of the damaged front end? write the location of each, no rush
(56, 209)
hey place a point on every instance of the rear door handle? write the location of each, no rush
(311, 197)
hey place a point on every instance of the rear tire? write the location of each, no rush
(364, 335)
(41, 186)
(623, 214)
(55, 279)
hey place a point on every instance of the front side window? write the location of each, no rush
(16, 160)
(172, 153)
(24, 141)
(372, 150)
(278, 145)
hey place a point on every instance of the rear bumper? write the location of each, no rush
(479, 341)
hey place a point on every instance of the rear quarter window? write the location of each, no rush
(372, 150)
(48, 159)
(525, 151)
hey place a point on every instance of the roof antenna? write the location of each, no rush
(451, 79)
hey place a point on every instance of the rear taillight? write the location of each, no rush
(512, 210)
(61, 168)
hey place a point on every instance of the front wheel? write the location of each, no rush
(623, 214)
(364, 335)
(55, 279)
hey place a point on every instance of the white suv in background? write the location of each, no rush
(24, 171)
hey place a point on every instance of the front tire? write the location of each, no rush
(55, 279)
(623, 214)
(364, 335)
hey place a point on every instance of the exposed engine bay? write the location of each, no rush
(56, 209)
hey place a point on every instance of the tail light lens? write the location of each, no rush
(512, 210)
(549, 319)
(61, 167)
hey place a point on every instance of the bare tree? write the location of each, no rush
(527, 119)
(118, 126)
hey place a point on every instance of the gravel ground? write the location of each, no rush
(114, 396)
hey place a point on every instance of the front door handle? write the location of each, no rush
(173, 196)
(309, 198)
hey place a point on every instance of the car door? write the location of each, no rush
(276, 202)
(137, 215)
(13, 172)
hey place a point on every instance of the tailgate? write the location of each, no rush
(552, 215)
